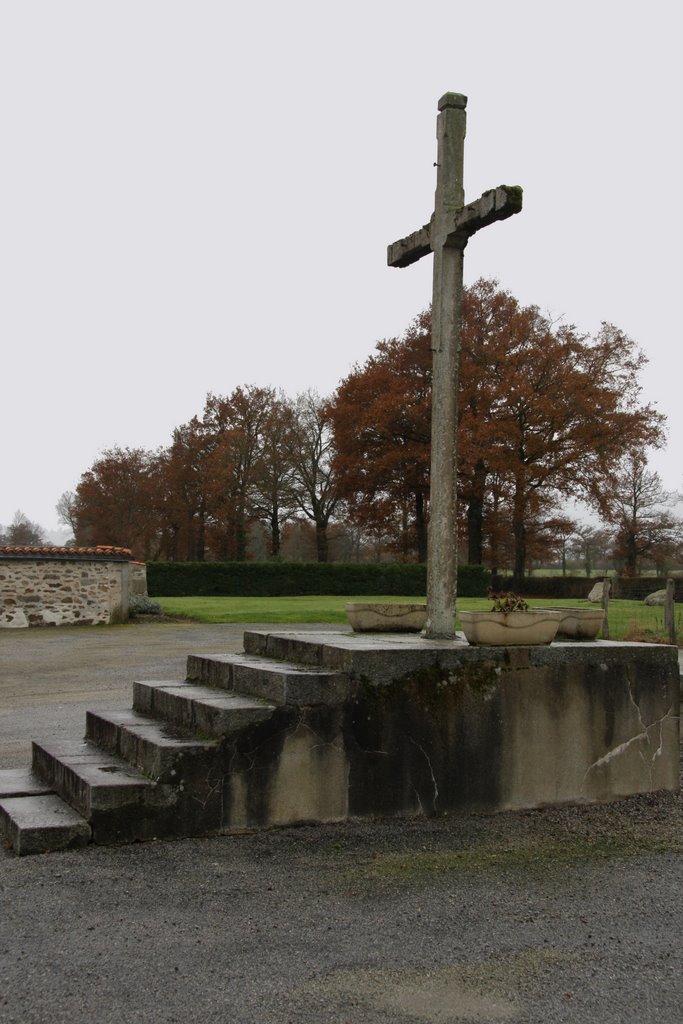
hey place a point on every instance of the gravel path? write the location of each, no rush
(569, 914)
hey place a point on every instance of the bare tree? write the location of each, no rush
(23, 533)
(67, 511)
(311, 448)
(591, 544)
(273, 496)
(637, 506)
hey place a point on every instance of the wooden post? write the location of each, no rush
(605, 608)
(669, 617)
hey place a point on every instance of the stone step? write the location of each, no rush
(120, 804)
(212, 670)
(199, 710)
(41, 824)
(15, 782)
(278, 682)
(372, 656)
(149, 746)
(331, 651)
(287, 647)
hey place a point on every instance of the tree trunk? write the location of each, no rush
(201, 537)
(240, 535)
(405, 533)
(475, 516)
(631, 562)
(420, 527)
(321, 541)
(588, 560)
(172, 551)
(274, 534)
(519, 537)
(475, 525)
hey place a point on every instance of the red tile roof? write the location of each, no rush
(99, 551)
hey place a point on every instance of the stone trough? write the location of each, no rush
(328, 726)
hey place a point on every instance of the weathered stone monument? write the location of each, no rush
(331, 725)
(448, 232)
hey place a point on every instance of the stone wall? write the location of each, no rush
(63, 586)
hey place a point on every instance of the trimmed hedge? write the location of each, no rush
(637, 588)
(548, 586)
(571, 587)
(290, 579)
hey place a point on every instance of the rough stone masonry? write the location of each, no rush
(53, 586)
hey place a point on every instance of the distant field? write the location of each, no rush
(627, 619)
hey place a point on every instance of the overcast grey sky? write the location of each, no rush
(198, 195)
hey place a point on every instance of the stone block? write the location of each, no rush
(21, 782)
(42, 824)
(210, 670)
(89, 779)
(429, 728)
(597, 592)
(13, 619)
(198, 709)
(283, 683)
(378, 617)
(147, 746)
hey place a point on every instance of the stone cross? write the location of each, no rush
(450, 228)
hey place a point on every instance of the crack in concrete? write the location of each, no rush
(212, 789)
(633, 701)
(251, 755)
(644, 735)
(322, 743)
(431, 770)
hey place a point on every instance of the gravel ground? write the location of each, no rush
(564, 914)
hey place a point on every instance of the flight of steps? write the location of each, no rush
(159, 769)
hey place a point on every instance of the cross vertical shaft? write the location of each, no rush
(446, 235)
(442, 555)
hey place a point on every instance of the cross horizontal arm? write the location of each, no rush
(411, 249)
(496, 204)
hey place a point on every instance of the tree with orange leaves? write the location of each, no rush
(117, 501)
(381, 420)
(542, 410)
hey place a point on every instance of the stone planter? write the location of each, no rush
(508, 629)
(374, 617)
(578, 623)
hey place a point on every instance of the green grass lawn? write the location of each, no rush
(627, 619)
(325, 609)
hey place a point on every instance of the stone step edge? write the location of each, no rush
(260, 678)
(16, 782)
(135, 723)
(260, 661)
(42, 824)
(197, 694)
(199, 710)
(87, 778)
(147, 744)
(324, 651)
(293, 650)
